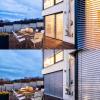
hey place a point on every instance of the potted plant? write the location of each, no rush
(4, 96)
(4, 41)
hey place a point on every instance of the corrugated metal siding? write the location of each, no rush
(89, 75)
(88, 24)
(53, 84)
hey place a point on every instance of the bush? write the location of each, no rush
(4, 96)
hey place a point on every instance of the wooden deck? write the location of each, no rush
(50, 43)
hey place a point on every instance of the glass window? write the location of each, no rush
(50, 26)
(57, 1)
(48, 57)
(48, 3)
(59, 26)
(59, 56)
(49, 61)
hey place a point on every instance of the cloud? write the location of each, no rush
(19, 9)
(20, 63)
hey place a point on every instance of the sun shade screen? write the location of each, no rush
(59, 26)
(50, 26)
(89, 75)
(48, 3)
(53, 84)
(88, 24)
(98, 12)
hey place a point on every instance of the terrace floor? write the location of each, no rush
(48, 43)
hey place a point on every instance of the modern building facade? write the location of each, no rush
(58, 74)
(59, 19)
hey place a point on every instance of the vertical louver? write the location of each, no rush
(89, 75)
(88, 24)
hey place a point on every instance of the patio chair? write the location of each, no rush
(21, 98)
(19, 38)
(38, 39)
(37, 96)
(18, 96)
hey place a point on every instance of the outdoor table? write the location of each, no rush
(27, 37)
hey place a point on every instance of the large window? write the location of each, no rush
(52, 56)
(49, 61)
(59, 26)
(48, 3)
(54, 26)
(59, 56)
(50, 26)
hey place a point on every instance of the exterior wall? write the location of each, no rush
(63, 7)
(64, 67)
(88, 24)
(89, 75)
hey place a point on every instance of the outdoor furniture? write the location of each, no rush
(38, 38)
(19, 38)
(21, 98)
(37, 96)
(18, 96)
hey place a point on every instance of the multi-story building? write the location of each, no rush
(58, 74)
(59, 19)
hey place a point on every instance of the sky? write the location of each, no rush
(17, 64)
(20, 9)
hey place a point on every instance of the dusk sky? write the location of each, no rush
(16, 64)
(20, 9)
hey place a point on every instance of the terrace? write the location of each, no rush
(35, 39)
(22, 91)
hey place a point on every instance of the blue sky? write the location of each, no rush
(20, 9)
(16, 64)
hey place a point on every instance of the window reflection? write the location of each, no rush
(56, 57)
(59, 56)
(59, 26)
(48, 3)
(49, 25)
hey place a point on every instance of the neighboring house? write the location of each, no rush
(37, 24)
(59, 19)
(58, 74)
